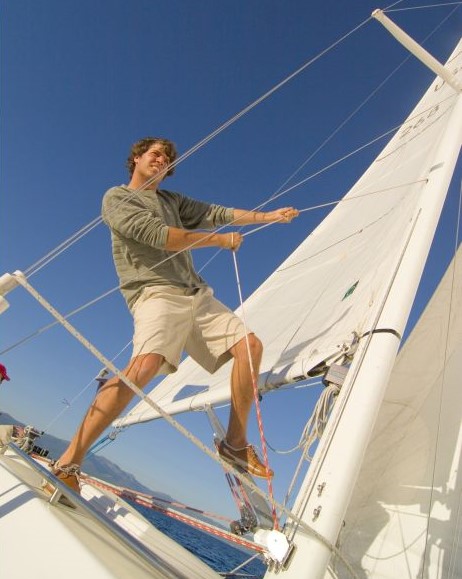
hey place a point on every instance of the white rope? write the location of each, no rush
(246, 562)
(252, 231)
(92, 224)
(313, 431)
(423, 7)
(359, 149)
(337, 202)
(271, 198)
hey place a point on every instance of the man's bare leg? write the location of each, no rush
(111, 399)
(235, 449)
(242, 389)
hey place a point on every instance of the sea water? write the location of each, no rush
(216, 553)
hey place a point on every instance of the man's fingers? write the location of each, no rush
(235, 241)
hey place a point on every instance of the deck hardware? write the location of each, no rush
(321, 488)
(316, 513)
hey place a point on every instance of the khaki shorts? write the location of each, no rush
(169, 320)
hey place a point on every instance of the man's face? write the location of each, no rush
(152, 163)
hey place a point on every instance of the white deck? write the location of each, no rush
(43, 540)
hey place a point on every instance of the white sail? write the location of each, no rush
(334, 284)
(326, 491)
(404, 517)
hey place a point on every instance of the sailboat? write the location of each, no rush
(381, 496)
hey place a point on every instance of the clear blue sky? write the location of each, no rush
(81, 81)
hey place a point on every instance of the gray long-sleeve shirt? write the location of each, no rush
(139, 225)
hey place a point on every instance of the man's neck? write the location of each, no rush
(142, 184)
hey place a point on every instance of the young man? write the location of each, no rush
(152, 231)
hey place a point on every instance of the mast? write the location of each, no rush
(326, 490)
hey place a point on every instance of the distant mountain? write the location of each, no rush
(94, 465)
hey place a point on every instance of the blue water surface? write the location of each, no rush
(216, 553)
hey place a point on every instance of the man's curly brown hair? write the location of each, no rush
(141, 146)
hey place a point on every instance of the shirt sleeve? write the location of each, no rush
(125, 214)
(200, 215)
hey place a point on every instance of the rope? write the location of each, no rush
(272, 197)
(313, 431)
(234, 571)
(252, 231)
(255, 395)
(423, 7)
(237, 499)
(338, 201)
(359, 149)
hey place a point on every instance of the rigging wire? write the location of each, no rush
(423, 7)
(357, 150)
(272, 197)
(313, 431)
(337, 202)
(236, 569)
(46, 259)
(114, 289)
(279, 192)
(76, 236)
(276, 194)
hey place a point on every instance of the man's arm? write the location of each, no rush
(178, 239)
(283, 215)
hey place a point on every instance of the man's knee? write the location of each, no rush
(143, 368)
(254, 344)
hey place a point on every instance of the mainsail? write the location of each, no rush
(404, 516)
(328, 294)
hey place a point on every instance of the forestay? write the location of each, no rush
(330, 290)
